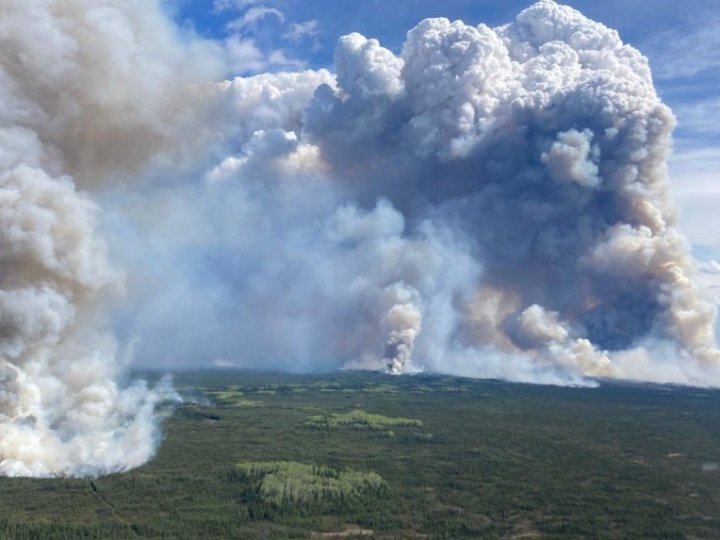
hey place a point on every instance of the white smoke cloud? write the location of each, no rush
(90, 91)
(490, 202)
(61, 408)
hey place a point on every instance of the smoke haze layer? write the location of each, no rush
(491, 202)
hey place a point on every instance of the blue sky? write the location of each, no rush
(682, 40)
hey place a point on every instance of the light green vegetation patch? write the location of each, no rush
(381, 389)
(359, 420)
(248, 403)
(225, 395)
(233, 398)
(289, 482)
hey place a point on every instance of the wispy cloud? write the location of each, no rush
(699, 117)
(695, 184)
(709, 278)
(226, 5)
(686, 63)
(686, 51)
(253, 16)
(245, 57)
(251, 46)
(302, 30)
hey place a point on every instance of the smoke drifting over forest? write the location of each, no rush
(491, 202)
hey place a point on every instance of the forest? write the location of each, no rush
(366, 455)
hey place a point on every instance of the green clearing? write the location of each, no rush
(286, 483)
(358, 420)
(491, 460)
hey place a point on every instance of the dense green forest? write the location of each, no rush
(363, 455)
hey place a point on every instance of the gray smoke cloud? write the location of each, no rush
(490, 202)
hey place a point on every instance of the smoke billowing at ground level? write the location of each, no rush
(490, 202)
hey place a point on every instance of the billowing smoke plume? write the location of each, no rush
(489, 202)
(89, 90)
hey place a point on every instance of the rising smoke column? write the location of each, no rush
(89, 90)
(531, 156)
